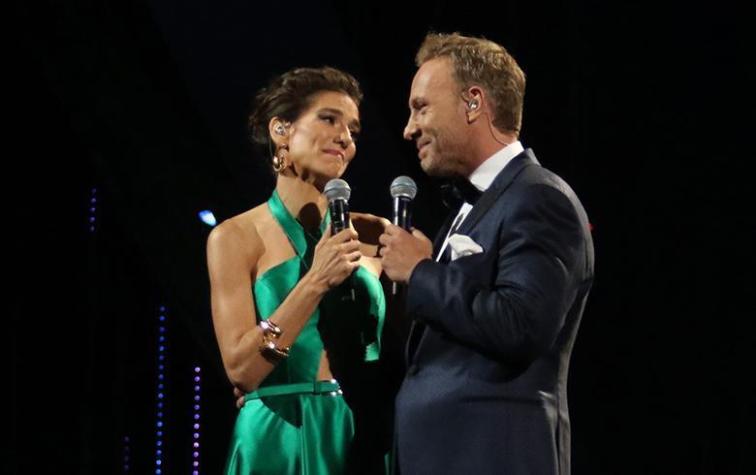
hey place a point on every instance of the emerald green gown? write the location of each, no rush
(293, 424)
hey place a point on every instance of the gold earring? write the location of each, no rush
(279, 160)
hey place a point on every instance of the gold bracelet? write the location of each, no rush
(273, 353)
(270, 328)
(269, 349)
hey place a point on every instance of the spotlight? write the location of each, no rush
(207, 217)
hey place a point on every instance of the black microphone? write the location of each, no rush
(403, 190)
(338, 192)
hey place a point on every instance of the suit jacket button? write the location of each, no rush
(412, 369)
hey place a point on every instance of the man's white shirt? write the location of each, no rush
(482, 178)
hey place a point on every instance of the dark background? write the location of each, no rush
(641, 107)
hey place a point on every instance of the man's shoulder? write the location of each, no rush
(535, 177)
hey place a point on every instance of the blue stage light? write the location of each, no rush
(207, 217)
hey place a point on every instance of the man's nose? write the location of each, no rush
(410, 130)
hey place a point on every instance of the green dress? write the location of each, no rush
(293, 424)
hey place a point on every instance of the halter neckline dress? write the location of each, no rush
(293, 424)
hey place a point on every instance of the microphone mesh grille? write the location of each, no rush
(403, 186)
(337, 189)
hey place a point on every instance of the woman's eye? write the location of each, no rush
(330, 119)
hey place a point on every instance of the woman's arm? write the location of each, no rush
(232, 256)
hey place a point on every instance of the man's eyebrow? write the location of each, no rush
(417, 102)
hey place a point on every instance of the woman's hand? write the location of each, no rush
(239, 396)
(335, 258)
(370, 227)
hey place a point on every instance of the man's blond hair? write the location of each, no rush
(480, 62)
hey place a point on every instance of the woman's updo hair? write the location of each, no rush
(291, 93)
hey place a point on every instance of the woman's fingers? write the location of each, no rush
(346, 235)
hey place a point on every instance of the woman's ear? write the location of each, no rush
(279, 131)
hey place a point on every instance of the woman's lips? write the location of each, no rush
(335, 153)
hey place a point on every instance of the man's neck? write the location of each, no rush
(484, 144)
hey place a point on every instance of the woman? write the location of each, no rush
(276, 273)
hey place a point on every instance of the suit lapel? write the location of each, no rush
(502, 181)
(441, 235)
(487, 199)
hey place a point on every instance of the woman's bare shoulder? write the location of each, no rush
(240, 234)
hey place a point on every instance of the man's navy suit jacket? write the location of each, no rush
(485, 390)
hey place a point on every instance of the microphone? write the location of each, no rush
(338, 192)
(403, 190)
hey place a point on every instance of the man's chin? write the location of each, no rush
(428, 166)
(433, 168)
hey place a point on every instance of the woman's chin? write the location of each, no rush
(324, 176)
(331, 172)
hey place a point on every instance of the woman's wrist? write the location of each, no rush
(312, 283)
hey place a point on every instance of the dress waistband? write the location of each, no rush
(317, 387)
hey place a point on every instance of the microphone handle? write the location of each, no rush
(403, 219)
(339, 210)
(402, 212)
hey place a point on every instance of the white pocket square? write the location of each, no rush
(462, 246)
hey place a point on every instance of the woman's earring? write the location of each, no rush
(279, 160)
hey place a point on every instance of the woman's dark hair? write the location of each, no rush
(291, 93)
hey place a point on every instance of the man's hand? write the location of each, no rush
(401, 252)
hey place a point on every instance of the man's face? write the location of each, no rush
(437, 119)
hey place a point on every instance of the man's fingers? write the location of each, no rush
(419, 234)
(390, 229)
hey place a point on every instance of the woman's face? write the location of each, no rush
(322, 140)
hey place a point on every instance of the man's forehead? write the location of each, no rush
(432, 74)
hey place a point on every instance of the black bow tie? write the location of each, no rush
(459, 191)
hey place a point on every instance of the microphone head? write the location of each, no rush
(403, 186)
(337, 189)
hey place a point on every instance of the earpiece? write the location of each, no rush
(280, 129)
(473, 104)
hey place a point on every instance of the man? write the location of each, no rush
(497, 298)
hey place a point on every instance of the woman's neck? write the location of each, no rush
(303, 200)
